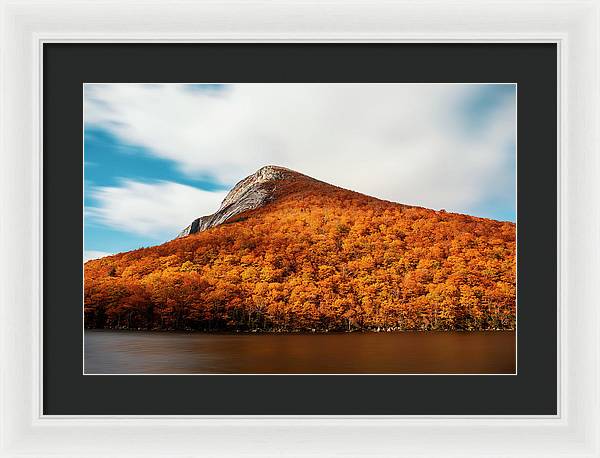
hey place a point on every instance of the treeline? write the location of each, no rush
(319, 258)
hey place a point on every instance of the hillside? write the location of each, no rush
(286, 252)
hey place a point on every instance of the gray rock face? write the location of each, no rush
(252, 192)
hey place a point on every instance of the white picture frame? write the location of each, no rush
(27, 25)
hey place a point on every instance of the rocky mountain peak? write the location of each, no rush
(252, 192)
(263, 175)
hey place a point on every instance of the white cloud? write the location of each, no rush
(406, 143)
(158, 210)
(94, 254)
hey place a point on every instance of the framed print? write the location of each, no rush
(280, 223)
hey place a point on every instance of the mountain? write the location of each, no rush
(287, 252)
(252, 192)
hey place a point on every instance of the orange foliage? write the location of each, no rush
(318, 257)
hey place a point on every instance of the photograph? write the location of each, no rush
(299, 228)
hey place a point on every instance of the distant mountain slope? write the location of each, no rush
(287, 252)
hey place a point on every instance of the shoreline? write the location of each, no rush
(254, 332)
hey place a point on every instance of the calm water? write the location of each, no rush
(135, 352)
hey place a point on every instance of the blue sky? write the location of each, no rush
(159, 155)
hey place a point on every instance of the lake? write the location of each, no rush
(154, 352)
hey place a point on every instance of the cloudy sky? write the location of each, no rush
(159, 155)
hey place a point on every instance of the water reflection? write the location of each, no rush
(130, 352)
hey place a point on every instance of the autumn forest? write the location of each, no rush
(315, 258)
